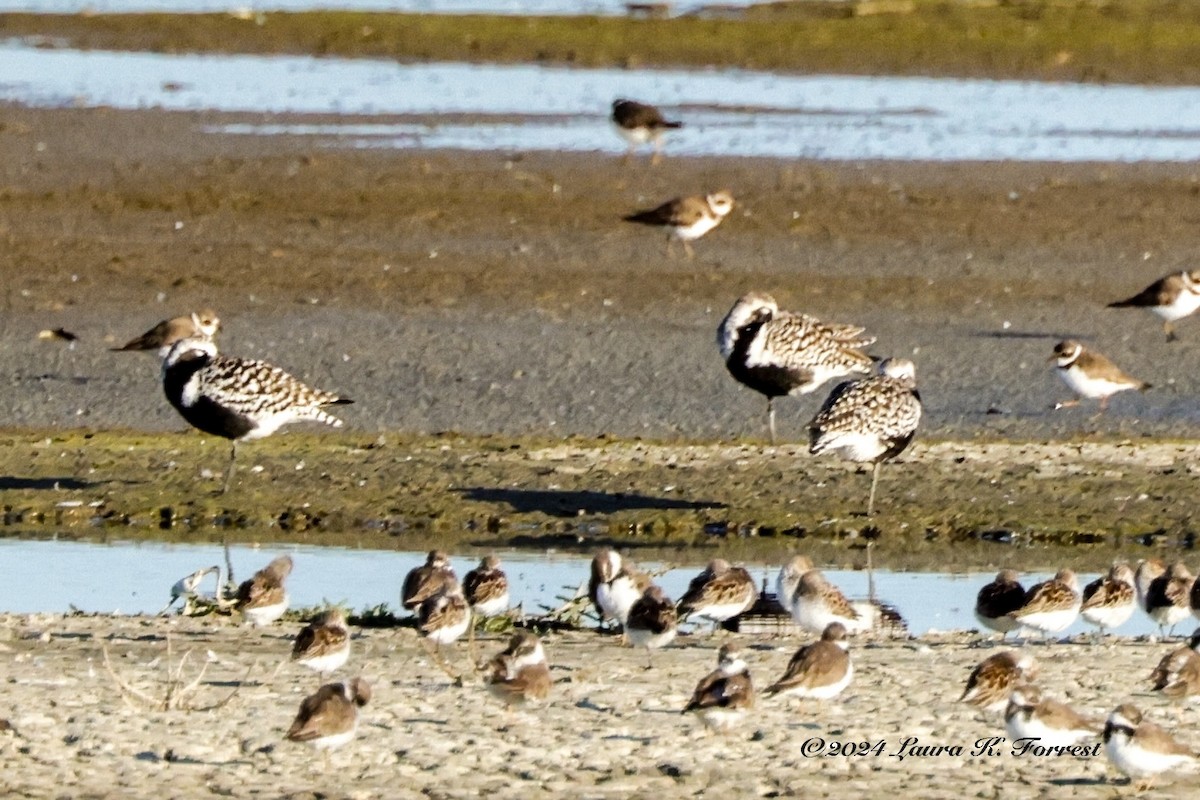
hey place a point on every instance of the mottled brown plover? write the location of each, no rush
(520, 673)
(203, 324)
(1109, 601)
(780, 353)
(723, 695)
(686, 218)
(328, 718)
(1051, 606)
(1171, 297)
(870, 420)
(237, 398)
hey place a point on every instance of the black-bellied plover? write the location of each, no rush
(328, 718)
(236, 398)
(1090, 374)
(641, 123)
(1171, 297)
(202, 324)
(1140, 749)
(821, 670)
(779, 353)
(686, 219)
(871, 420)
(723, 695)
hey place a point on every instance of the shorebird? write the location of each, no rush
(996, 602)
(203, 324)
(264, 599)
(1140, 749)
(652, 622)
(1054, 724)
(821, 670)
(873, 419)
(442, 620)
(1194, 598)
(780, 353)
(1178, 673)
(641, 123)
(723, 695)
(1108, 602)
(719, 593)
(1145, 574)
(425, 581)
(186, 588)
(328, 718)
(994, 678)
(236, 398)
(1172, 297)
(486, 588)
(815, 603)
(1168, 596)
(1090, 374)
(324, 644)
(686, 218)
(615, 585)
(1051, 606)
(520, 673)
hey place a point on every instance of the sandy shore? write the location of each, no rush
(610, 728)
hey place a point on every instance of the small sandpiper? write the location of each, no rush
(815, 603)
(993, 679)
(1171, 666)
(1051, 606)
(723, 695)
(264, 599)
(870, 420)
(1090, 374)
(686, 219)
(1171, 297)
(641, 123)
(425, 581)
(486, 588)
(1168, 596)
(187, 588)
(1109, 601)
(781, 353)
(203, 324)
(615, 585)
(719, 593)
(238, 399)
(324, 644)
(996, 602)
(652, 622)
(821, 670)
(328, 718)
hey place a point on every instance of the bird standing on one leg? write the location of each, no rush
(780, 353)
(237, 398)
(873, 419)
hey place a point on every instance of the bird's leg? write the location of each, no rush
(1170, 331)
(687, 248)
(771, 418)
(649, 658)
(874, 482)
(656, 157)
(232, 467)
(1103, 404)
(1066, 404)
(670, 246)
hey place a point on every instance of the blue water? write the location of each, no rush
(136, 578)
(812, 117)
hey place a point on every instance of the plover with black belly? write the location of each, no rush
(993, 679)
(264, 598)
(686, 219)
(1029, 715)
(203, 324)
(821, 670)
(1051, 606)
(639, 124)
(1090, 374)
(719, 593)
(1171, 297)
(423, 582)
(520, 673)
(652, 622)
(328, 718)
(1109, 601)
(1140, 749)
(486, 588)
(723, 695)
(781, 353)
(1168, 596)
(870, 420)
(323, 645)
(237, 398)
(996, 602)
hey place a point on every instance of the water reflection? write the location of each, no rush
(817, 117)
(132, 578)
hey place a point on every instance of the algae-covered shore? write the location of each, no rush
(1134, 41)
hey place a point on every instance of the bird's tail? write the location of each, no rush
(643, 218)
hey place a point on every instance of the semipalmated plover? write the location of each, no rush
(1055, 724)
(520, 673)
(236, 398)
(686, 219)
(203, 324)
(1140, 749)
(1171, 297)
(1090, 374)
(723, 695)
(780, 353)
(821, 670)
(870, 420)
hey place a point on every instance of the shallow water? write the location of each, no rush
(814, 117)
(136, 578)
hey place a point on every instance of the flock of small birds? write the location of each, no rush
(626, 598)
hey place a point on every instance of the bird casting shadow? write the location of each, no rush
(572, 503)
(1047, 335)
(43, 484)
